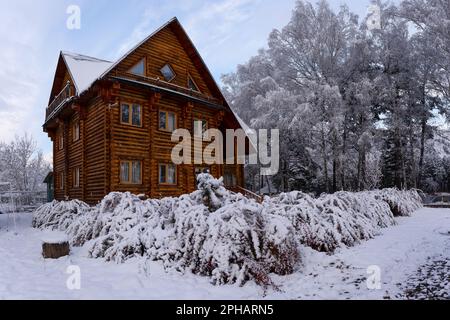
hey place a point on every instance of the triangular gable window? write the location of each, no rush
(139, 68)
(191, 84)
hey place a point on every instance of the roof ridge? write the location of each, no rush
(83, 55)
(139, 44)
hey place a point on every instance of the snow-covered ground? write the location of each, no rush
(399, 252)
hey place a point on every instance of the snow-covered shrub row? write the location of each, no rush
(343, 218)
(223, 235)
(58, 215)
(401, 202)
(211, 232)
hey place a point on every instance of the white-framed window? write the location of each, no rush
(76, 131)
(167, 121)
(168, 73)
(167, 174)
(131, 172)
(76, 177)
(131, 114)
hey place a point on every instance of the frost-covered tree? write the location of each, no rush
(355, 107)
(212, 191)
(23, 164)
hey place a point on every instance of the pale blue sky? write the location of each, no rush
(226, 32)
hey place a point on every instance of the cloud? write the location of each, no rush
(226, 32)
(26, 68)
(141, 31)
(216, 22)
(19, 84)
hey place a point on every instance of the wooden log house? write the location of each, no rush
(111, 122)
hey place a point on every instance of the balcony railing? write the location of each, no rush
(66, 93)
(170, 86)
(246, 193)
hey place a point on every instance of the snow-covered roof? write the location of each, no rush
(84, 70)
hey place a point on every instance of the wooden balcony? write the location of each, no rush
(65, 95)
(170, 86)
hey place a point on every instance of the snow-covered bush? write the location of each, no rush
(401, 202)
(212, 190)
(58, 215)
(332, 221)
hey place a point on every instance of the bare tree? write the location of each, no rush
(22, 164)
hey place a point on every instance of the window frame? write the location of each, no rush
(166, 112)
(189, 77)
(167, 165)
(144, 61)
(76, 131)
(76, 173)
(130, 114)
(130, 172)
(171, 69)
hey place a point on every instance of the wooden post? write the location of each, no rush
(154, 99)
(188, 171)
(66, 128)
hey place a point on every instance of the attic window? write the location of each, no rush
(139, 68)
(168, 73)
(191, 84)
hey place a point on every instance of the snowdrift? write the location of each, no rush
(222, 235)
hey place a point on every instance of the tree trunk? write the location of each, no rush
(403, 166)
(413, 160)
(344, 154)
(325, 161)
(422, 152)
(334, 175)
(362, 168)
